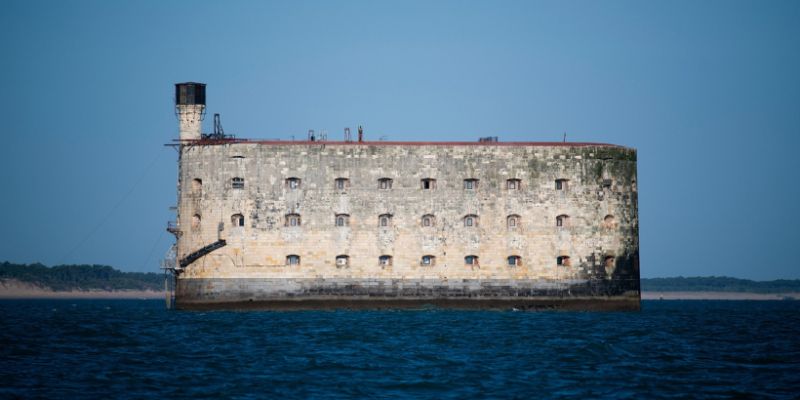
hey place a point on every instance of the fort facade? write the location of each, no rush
(321, 224)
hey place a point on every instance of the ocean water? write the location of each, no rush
(137, 349)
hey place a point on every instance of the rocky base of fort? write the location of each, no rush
(222, 293)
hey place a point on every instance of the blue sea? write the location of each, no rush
(138, 349)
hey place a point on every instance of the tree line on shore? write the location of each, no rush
(81, 277)
(719, 284)
(104, 277)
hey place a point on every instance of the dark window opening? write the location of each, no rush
(342, 220)
(471, 260)
(341, 183)
(513, 184)
(292, 259)
(384, 183)
(428, 260)
(293, 183)
(470, 184)
(471, 220)
(512, 221)
(561, 184)
(342, 261)
(563, 261)
(562, 220)
(237, 183)
(292, 219)
(385, 260)
(514, 261)
(428, 220)
(237, 220)
(428, 184)
(196, 221)
(384, 220)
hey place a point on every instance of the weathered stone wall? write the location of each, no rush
(601, 182)
(190, 118)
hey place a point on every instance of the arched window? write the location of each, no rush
(514, 261)
(237, 220)
(196, 221)
(563, 261)
(512, 221)
(427, 260)
(384, 183)
(561, 184)
(470, 220)
(562, 221)
(428, 184)
(471, 260)
(341, 183)
(385, 220)
(237, 183)
(197, 185)
(342, 261)
(292, 259)
(470, 184)
(292, 219)
(513, 184)
(385, 260)
(293, 183)
(428, 220)
(342, 220)
(608, 221)
(608, 261)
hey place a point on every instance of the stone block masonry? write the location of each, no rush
(386, 224)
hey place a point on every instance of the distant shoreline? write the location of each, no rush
(94, 294)
(718, 296)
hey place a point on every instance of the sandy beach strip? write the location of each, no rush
(12, 289)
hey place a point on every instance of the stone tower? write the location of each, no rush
(190, 108)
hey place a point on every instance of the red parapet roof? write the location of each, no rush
(202, 142)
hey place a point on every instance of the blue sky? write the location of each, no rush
(707, 91)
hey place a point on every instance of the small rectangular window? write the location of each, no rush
(293, 260)
(293, 183)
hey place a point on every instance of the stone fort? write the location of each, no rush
(360, 224)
